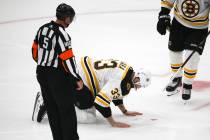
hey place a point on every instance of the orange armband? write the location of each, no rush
(66, 55)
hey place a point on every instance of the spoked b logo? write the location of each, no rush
(190, 8)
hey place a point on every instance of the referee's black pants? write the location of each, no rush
(57, 91)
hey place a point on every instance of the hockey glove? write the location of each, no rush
(163, 21)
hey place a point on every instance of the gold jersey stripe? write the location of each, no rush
(87, 75)
(125, 72)
(100, 101)
(195, 22)
(93, 74)
(105, 96)
(167, 4)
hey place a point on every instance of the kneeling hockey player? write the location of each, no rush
(105, 81)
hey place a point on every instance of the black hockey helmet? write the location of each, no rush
(63, 10)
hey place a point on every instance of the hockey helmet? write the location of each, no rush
(141, 78)
(63, 10)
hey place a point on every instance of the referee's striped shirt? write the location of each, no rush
(52, 48)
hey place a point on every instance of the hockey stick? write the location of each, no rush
(185, 62)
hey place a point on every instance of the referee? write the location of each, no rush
(57, 73)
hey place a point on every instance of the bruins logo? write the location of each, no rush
(115, 93)
(190, 8)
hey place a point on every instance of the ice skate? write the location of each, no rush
(174, 87)
(39, 108)
(186, 92)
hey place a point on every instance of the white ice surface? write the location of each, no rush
(119, 29)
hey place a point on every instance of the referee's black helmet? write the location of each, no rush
(63, 10)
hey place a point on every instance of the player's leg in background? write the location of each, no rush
(176, 47)
(195, 41)
(86, 112)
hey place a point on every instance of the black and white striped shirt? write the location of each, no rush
(52, 48)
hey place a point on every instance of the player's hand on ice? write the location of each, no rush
(120, 125)
(132, 113)
(79, 85)
(114, 123)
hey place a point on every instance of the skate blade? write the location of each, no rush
(186, 102)
(35, 110)
(173, 92)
